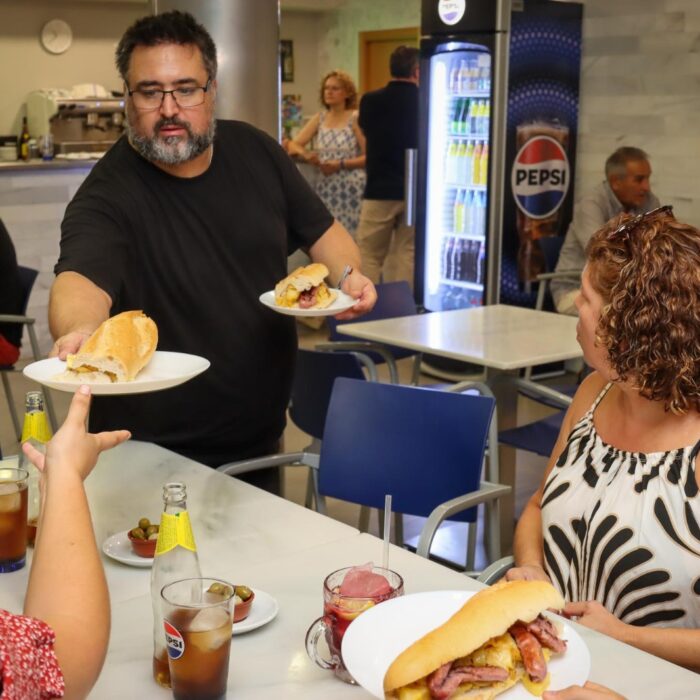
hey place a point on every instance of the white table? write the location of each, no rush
(502, 339)
(281, 548)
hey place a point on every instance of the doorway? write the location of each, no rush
(376, 48)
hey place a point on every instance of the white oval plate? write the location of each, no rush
(379, 635)
(341, 303)
(165, 370)
(263, 610)
(118, 547)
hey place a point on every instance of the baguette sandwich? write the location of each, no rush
(305, 289)
(497, 639)
(117, 351)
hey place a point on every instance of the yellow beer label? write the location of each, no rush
(36, 426)
(175, 530)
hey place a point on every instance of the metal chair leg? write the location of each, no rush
(11, 405)
(471, 545)
(363, 523)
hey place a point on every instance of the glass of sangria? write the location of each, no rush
(347, 593)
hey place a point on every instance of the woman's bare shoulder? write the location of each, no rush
(586, 394)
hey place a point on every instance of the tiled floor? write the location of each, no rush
(450, 541)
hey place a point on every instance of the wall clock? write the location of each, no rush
(56, 36)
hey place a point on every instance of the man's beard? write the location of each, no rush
(171, 150)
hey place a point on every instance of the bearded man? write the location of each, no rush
(191, 219)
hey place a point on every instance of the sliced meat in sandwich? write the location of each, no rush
(118, 350)
(497, 639)
(305, 289)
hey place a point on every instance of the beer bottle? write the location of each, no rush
(24, 141)
(175, 559)
(37, 432)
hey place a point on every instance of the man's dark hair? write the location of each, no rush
(616, 164)
(169, 28)
(403, 62)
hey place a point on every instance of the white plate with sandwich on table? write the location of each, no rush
(467, 644)
(120, 357)
(304, 293)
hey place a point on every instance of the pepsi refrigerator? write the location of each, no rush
(463, 170)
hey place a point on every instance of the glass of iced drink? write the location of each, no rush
(346, 594)
(198, 621)
(13, 518)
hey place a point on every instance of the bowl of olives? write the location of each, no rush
(143, 538)
(242, 599)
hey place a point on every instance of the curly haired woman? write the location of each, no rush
(615, 524)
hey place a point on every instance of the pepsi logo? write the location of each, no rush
(174, 641)
(540, 177)
(451, 11)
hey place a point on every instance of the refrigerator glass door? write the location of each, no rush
(457, 176)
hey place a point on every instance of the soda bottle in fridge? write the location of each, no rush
(484, 164)
(175, 558)
(37, 432)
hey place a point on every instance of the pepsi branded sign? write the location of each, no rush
(451, 11)
(540, 177)
(174, 641)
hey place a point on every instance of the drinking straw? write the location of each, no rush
(387, 530)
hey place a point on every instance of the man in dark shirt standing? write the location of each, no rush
(389, 120)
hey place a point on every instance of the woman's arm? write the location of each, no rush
(296, 146)
(527, 544)
(67, 587)
(680, 646)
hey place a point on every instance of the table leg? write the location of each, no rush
(506, 394)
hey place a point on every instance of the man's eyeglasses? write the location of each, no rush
(149, 99)
(628, 226)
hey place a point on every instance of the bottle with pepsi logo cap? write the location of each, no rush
(175, 559)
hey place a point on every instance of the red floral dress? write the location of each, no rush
(28, 666)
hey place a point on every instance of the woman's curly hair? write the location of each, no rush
(346, 81)
(648, 275)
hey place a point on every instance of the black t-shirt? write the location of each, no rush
(389, 121)
(195, 254)
(11, 292)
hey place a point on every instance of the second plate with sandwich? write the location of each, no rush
(165, 370)
(341, 303)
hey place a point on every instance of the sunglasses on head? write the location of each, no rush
(628, 226)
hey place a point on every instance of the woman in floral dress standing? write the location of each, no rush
(340, 149)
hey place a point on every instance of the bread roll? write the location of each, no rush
(120, 347)
(288, 290)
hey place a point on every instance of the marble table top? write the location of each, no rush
(245, 535)
(500, 337)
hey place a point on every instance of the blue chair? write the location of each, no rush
(27, 277)
(314, 375)
(394, 300)
(424, 447)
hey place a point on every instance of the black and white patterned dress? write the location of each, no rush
(623, 528)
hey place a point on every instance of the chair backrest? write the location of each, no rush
(314, 375)
(394, 299)
(27, 277)
(422, 446)
(550, 247)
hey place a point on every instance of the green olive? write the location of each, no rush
(137, 533)
(216, 588)
(243, 592)
(144, 523)
(151, 530)
(153, 536)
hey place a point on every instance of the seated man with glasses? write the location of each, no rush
(625, 189)
(191, 219)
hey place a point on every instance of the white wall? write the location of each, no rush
(640, 86)
(303, 28)
(26, 66)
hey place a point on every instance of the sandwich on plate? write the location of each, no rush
(116, 352)
(305, 289)
(497, 639)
